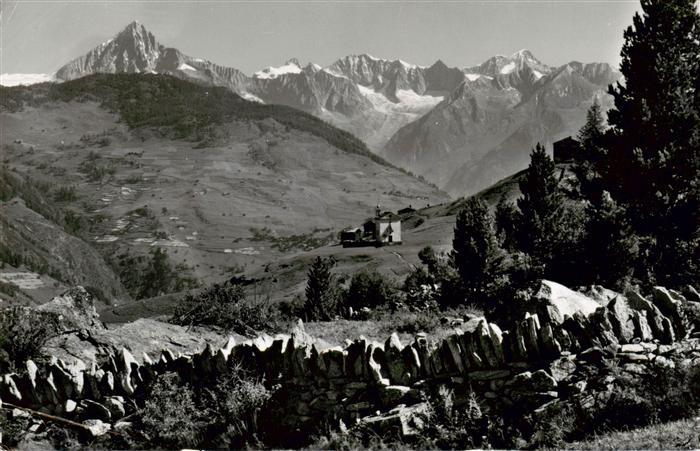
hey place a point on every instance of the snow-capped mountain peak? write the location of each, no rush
(506, 65)
(292, 66)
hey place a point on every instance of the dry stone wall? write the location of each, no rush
(538, 361)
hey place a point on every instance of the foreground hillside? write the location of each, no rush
(143, 162)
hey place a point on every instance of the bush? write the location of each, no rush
(23, 333)
(170, 417)
(554, 427)
(225, 306)
(236, 404)
(152, 275)
(177, 415)
(370, 290)
(65, 194)
(447, 426)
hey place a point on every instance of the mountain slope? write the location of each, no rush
(437, 121)
(488, 125)
(220, 183)
(38, 256)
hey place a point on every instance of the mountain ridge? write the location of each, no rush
(436, 121)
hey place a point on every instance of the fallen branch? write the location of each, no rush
(54, 418)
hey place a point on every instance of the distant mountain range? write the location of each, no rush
(462, 129)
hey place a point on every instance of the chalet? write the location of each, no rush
(383, 229)
(565, 150)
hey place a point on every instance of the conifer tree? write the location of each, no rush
(541, 205)
(592, 152)
(611, 247)
(506, 217)
(653, 167)
(475, 252)
(321, 291)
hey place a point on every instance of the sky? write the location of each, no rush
(39, 36)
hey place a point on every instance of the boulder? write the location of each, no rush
(542, 382)
(406, 421)
(76, 309)
(334, 360)
(642, 329)
(453, 352)
(622, 318)
(115, 405)
(671, 305)
(562, 368)
(600, 294)
(531, 327)
(566, 302)
(550, 345)
(654, 317)
(593, 355)
(392, 395)
(96, 427)
(487, 346)
(8, 389)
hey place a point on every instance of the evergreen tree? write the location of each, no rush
(506, 217)
(321, 291)
(541, 206)
(653, 166)
(475, 253)
(612, 249)
(592, 152)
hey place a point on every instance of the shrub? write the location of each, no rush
(152, 275)
(225, 306)
(223, 414)
(447, 426)
(437, 283)
(23, 333)
(236, 403)
(65, 194)
(170, 417)
(421, 291)
(370, 290)
(72, 221)
(554, 427)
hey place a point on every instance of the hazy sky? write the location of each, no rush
(40, 36)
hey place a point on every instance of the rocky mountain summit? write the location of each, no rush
(461, 128)
(136, 50)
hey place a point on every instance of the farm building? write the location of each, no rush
(383, 229)
(565, 150)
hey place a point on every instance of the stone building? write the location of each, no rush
(382, 229)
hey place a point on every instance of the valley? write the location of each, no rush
(256, 191)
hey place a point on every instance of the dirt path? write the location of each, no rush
(410, 266)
